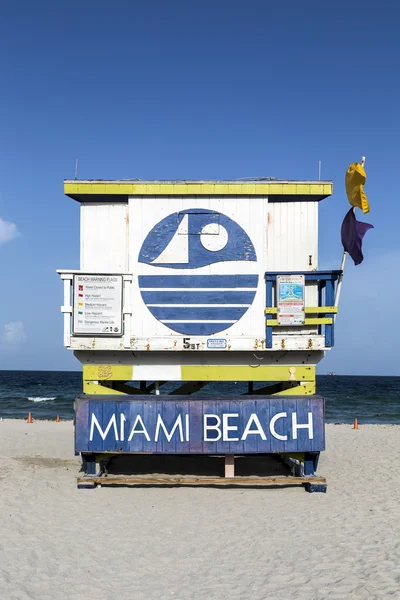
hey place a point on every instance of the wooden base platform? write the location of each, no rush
(311, 483)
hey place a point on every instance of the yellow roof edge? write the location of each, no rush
(78, 189)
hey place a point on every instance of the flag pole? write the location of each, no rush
(340, 283)
(340, 280)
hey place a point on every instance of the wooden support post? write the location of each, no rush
(229, 465)
(310, 462)
(89, 464)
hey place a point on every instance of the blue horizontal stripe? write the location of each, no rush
(198, 297)
(198, 281)
(184, 312)
(198, 328)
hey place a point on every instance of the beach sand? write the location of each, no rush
(57, 542)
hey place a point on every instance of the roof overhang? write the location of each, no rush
(120, 191)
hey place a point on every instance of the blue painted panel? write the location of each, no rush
(329, 299)
(184, 312)
(222, 406)
(263, 414)
(270, 417)
(239, 247)
(182, 409)
(268, 333)
(236, 407)
(198, 281)
(170, 417)
(280, 425)
(136, 430)
(196, 426)
(210, 408)
(96, 416)
(248, 409)
(303, 420)
(309, 276)
(82, 421)
(112, 442)
(150, 419)
(289, 407)
(123, 408)
(195, 297)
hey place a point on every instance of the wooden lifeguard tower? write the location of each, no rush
(195, 282)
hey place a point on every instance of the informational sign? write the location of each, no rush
(219, 343)
(97, 305)
(183, 425)
(290, 294)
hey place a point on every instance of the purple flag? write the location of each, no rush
(353, 232)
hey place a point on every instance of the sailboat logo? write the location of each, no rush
(199, 299)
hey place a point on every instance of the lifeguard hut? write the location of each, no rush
(193, 282)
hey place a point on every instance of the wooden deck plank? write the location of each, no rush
(200, 481)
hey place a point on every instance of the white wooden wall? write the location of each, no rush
(249, 213)
(292, 236)
(105, 237)
(285, 235)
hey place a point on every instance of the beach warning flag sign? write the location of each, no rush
(353, 232)
(354, 181)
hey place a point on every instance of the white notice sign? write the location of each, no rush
(97, 305)
(290, 294)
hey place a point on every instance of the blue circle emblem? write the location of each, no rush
(204, 300)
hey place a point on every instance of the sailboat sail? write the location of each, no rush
(177, 250)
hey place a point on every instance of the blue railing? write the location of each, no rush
(326, 282)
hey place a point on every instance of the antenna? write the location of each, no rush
(76, 169)
(319, 170)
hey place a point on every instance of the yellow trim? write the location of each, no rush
(247, 373)
(296, 455)
(91, 387)
(275, 188)
(321, 309)
(106, 456)
(107, 372)
(317, 321)
(307, 310)
(306, 389)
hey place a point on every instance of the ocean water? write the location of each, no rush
(49, 393)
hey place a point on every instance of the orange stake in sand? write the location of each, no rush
(355, 424)
(29, 418)
(58, 419)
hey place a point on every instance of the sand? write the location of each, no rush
(57, 542)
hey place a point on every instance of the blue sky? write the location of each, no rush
(195, 89)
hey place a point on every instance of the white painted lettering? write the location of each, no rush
(122, 420)
(226, 428)
(308, 425)
(161, 425)
(112, 423)
(208, 427)
(187, 430)
(258, 431)
(139, 421)
(274, 419)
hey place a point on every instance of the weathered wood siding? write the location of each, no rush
(104, 237)
(114, 418)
